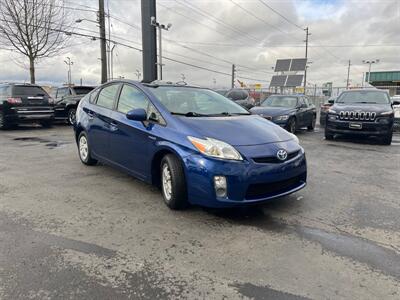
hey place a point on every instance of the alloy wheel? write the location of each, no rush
(166, 182)
(83, 148)
(71, 116)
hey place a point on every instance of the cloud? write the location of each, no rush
(215, 34)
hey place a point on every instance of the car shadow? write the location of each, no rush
(358, 140)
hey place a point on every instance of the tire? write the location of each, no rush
(173, 182)
(3, 122)
(387, 139)
(84, 150)
(71, 116)
(46, 123)
(291, 125)
(312, 125)
(328, 135)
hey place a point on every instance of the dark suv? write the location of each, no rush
(241, 97)
(361, 112)
(22, 103)
(67, 99)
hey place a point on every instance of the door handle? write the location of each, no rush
(90, 115)
(113, 126)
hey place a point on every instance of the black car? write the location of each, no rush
(241, 97)
(324, 110)
(362, 113)
(24, 103)
(67, 99)
(288, 111)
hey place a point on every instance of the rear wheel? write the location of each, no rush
(173, 183)
(291, 125)
(312, 125)
(84, 150)
(71, 116)
(387, 139)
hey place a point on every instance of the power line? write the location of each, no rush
(279, 14)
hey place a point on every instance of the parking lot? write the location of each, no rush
(71, 231)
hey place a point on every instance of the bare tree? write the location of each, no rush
(34, 28)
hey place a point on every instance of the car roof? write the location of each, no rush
(364, 90)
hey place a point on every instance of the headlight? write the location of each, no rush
(215, 148)
(332, 111)
(282, 118)
(295, 137)
(387, 113)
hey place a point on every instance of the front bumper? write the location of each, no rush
(367, 128)
(248, 182)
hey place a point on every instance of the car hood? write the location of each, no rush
(271, 111)
(237, 130)
(361, 107)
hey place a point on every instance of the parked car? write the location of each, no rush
(200, 147)
(288, 111)
(324, 110)
(67, 99)
(241, 97)
(396, 108)
(221, 91)
(24, 103)
(363, 113)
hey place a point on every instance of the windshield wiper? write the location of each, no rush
(189, 114)
(365, 102)
(225, 113)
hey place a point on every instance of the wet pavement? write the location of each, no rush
(70, 231)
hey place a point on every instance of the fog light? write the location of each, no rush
(220, 186)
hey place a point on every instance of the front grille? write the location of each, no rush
(357, 115)
(274, 159)
(265, 189)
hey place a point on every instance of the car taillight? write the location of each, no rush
(14, 100)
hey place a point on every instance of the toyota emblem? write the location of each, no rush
(281, 154)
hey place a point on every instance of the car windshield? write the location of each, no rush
(82, 90)
(368, 97)
(196, 101)
(280, 101)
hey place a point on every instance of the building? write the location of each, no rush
(388, 80)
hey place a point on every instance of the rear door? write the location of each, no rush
(100, 123)
(301, 112)
(31, 95)
(309, 113)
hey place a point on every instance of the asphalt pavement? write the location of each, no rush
(68, 231)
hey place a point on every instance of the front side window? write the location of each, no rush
(195, 101)
(131, 98)
(107, 96)
(280, 101)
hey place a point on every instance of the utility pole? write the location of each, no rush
(305, 71)
(109, 58)
(112, 62)
(160, 28)
(348, 75)
(233, 76)
(103, 46)
(370, 62)
(69, 63)
(149, 53)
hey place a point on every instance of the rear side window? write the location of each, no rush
(131, 98)
(26, 90)
(107, 96)
(62, 92)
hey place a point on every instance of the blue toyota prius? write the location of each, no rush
(198, 146)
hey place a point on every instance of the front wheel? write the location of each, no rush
(291, 126)
(84, 150)
(387, 139)
(173, 183)
(71, 116)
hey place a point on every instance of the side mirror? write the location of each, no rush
(303, 105)
(396, 102)
(331, 101)
(138, 114)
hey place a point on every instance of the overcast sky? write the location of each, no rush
(214, 34)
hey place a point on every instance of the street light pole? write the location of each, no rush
(348, 75)
(370, 62)
(112, 61)
(160, 27)
(69, 63)
(306, 56)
